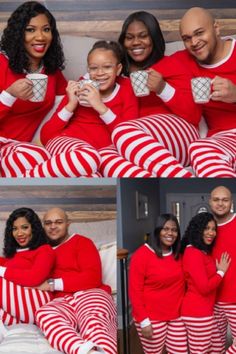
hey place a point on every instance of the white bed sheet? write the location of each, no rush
(25, 338)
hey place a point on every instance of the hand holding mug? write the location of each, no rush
(21, 88)
(155, 81)
(224, 90)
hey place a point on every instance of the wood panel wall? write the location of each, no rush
(82, 203)
(104, 18)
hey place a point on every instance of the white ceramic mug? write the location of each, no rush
(83, 82)
(139, 83)
(40, 82)
(201, 89)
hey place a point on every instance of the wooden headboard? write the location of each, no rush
(82, 203)
(103, 18)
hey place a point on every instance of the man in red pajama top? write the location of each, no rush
(82, 317)
(207, 54)
(225, 308)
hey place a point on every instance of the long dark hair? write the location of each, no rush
(156, 243)
(38, 233)
(155, 33)
(12, 41)
(194, 232)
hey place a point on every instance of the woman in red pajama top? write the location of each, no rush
(156, 290)
(169, 118)
(202, 278)
(27, 262)
(30, 44)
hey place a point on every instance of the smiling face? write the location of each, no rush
(56, 225)
(138, 42)
(220, 203)
(209, 233)
(168, 235)
(22, 231)
(103, 67)
(38, 38)
(200, 35)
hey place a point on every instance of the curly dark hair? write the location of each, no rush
(155, 33)
(115, 47)
(156, 242)
(194, 232)
(38, 234)
(12, 41)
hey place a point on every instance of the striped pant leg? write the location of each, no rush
(214, 156)
(20, 303)
(97, 319)
(156, 344)
(228, 312)
(114, 165)
(176, 339)
(69, 157)
(17, 158)
(220, 330)
(158, 144)
(199, 332)
(58, 322)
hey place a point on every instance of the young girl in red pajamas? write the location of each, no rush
(75, 133)
(158, 141)
(202, 277)
(30, 43)
(156, 290)
(27, 261)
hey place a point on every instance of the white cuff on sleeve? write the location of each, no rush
(145, 323)
(221, 273)
(58, 284)
(7, 99)
(167, 93)
(108, 117)
(2, 271)
(65, 115)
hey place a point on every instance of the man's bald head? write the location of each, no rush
(196, 13)
(200, 34)
(56, 225)
(221, 202)
(56, 211)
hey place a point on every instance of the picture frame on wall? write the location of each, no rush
(141, 202)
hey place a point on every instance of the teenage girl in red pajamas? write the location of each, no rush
(27, 261)
(156, 290)
(202, 276)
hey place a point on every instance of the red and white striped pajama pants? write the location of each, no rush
(199, 332)
(170, 335)
(114, 165)
(62, 157)
(214, 156)
(71, 321)
(225, 314)
(19, 304)
(158, 144)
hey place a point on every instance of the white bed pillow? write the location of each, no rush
(108, 257)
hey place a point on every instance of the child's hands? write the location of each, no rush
(72, 90)
(91, 95)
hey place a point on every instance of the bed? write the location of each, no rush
(26, 338)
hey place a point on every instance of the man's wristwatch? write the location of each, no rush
(51, 284)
